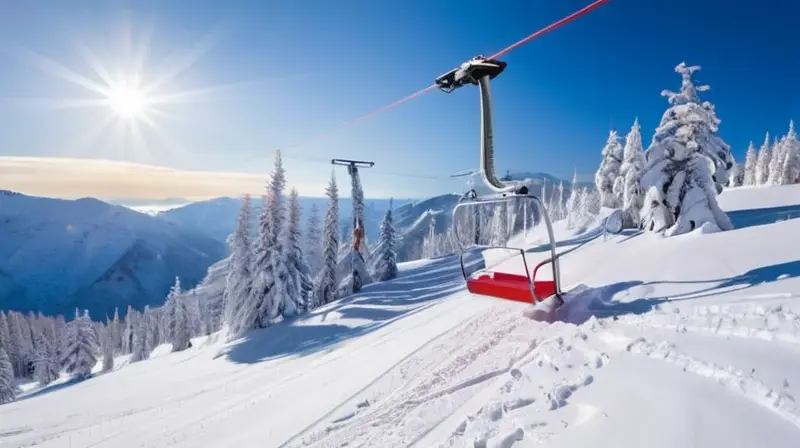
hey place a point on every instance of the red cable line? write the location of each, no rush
(501, 53)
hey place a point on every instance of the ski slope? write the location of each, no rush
(686, 341)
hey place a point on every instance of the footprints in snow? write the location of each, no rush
(746, 384)
(738, 320)
(541, 383)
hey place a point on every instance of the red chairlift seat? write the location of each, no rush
(514, 287)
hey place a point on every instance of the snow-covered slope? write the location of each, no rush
(686, 341)
(56, 255)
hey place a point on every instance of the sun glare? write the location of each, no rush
(128, 103)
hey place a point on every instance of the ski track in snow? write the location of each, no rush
(473, 395)
(504, 359)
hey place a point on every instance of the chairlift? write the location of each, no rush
(494, 273)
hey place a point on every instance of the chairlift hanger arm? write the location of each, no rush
(479, 71)
(356, 163)
(470, 72)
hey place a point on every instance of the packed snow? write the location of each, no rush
(684, 341)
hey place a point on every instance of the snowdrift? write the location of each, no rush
(684, 341)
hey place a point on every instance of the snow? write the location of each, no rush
(664, 351)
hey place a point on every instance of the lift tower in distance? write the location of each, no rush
(358, 266)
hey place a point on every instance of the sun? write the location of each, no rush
(128, 102)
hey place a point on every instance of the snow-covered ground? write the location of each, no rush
(686, 341)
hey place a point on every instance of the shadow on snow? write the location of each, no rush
(599, 302)
(761, 216)
(376, 306)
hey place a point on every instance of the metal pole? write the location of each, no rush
(487, 138)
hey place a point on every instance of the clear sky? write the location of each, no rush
(231, 81)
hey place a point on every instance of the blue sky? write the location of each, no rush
(296, 68)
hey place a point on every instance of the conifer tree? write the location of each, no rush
(775, 176)
(631, 174)
(108, 349)
(314, 239)
(750, 164)
(678, 162)
(572, 203)
(609, 171)
(45, 362)
(267, 256)
(387, 264)
(327, 282)
(299, 271)
(82, 349)
(791, 157)
(178, 327)
(239, 281)
(763, 162)
(8, 389)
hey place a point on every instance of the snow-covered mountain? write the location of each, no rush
(56, 255)
(412, 221)
(657, 326)
(216, 217)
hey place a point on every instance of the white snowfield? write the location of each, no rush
(679, 342)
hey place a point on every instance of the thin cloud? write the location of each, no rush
(72, 178)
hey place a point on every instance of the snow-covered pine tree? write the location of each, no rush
(387, 266)
(571, 205)
(195, 316)
(178, 326)
(630, 175)
(561, 211)
(263, 296)
(791, 157)
(108, 349)
(736, 175)
(544, 194)
(141, 343)
(775, 176)
(552, 205)
(127, 332)
(285, 292)
(750, 164)
(152, 317)
(763, 162)
(592, 203)
(682, 160)
(581, 214)
(15, 348)
(45, 362)
(81, 352)
(298, 268)
(238, 283)
(313, 239)
(5, 336)
(8, 388)
(327, 282)
(609, 171)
